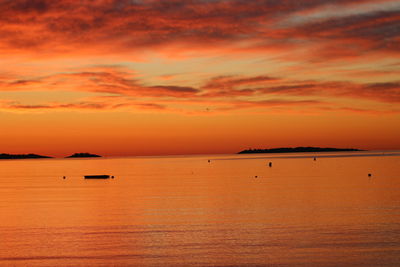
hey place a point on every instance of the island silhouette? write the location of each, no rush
(83, 155)
(22, 156)
(296, 150)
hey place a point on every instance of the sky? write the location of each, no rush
(157, 77)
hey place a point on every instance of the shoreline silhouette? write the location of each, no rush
(83, 155)
(36, 156)
(22, 156)
(296, 150)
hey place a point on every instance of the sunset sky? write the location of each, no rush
(159, 77)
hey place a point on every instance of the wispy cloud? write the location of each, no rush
(120, 26)
(113, 88)
(293, 33)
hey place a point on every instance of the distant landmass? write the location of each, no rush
(297, 149)
(83, 155)
(22, 156)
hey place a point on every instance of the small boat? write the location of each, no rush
(97, 176)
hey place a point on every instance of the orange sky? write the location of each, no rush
(152, 77)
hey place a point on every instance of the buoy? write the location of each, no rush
(209, 161)
(315, 159)
(112, 177)
(369, 175)
(64, 177)
(256, 176)
(270, 164)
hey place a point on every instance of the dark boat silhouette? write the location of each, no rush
(97, 176)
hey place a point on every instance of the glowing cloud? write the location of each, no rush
(201, 58)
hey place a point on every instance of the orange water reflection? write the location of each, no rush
(186, 211)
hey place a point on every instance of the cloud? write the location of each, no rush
(228, 82)
(15, 106)
(113, 87)
(112, 80)
(348, 37)
(230, 86)
(276, 102)
(118, 27)
(169, 89)
(389, 92)
(9, 83)
(359, 110)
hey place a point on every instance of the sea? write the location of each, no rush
(306, 209)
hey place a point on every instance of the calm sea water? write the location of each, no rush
(185, 211)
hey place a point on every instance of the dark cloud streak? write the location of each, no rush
(133, 25)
